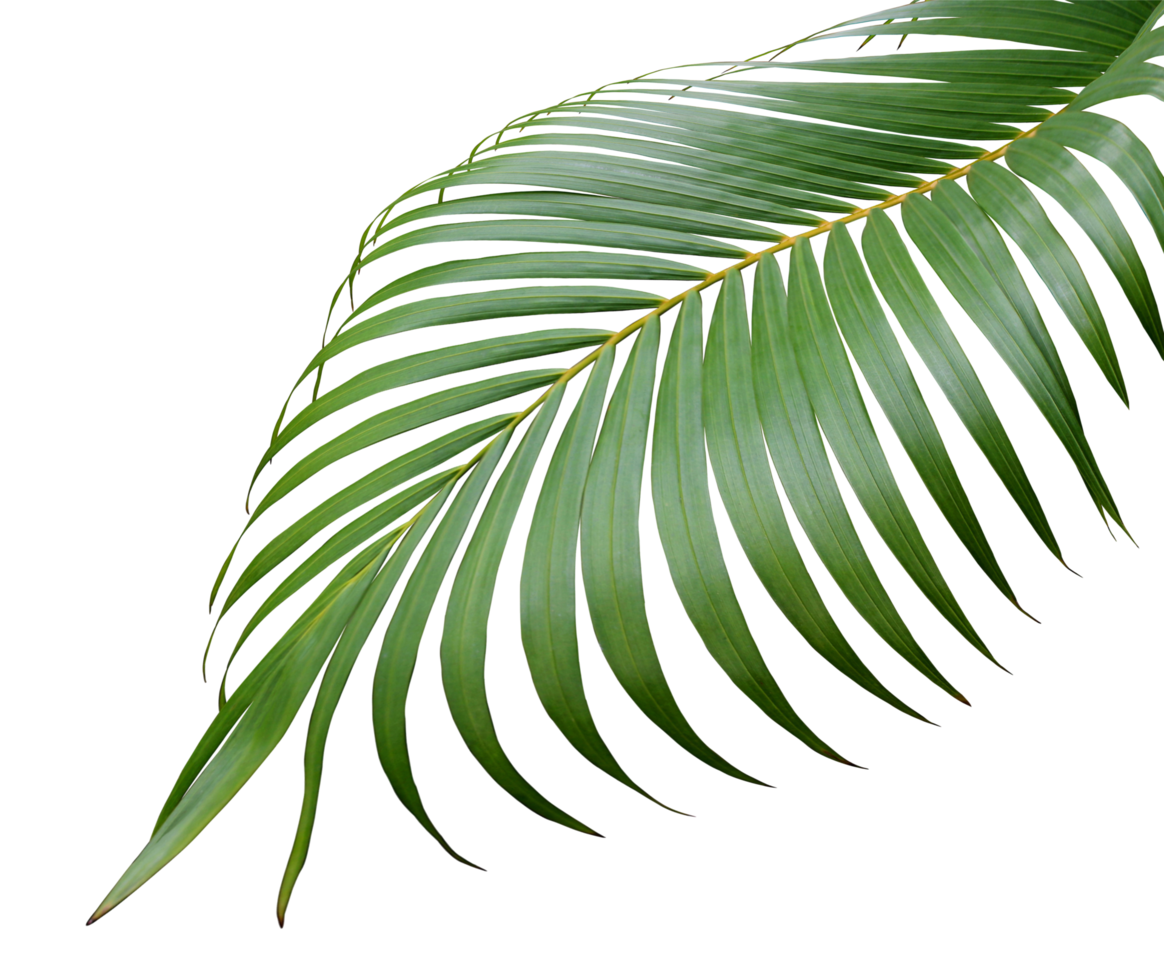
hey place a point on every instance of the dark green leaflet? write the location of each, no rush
(404, 418)
(468, 307)
(585, 207)
(402, 641)
(428, 365)
(609, 233)
(330, 689)
(268, 714)
(548, 629)
(1056, 25)
(880, 358)
(739, 460)
(1140, 79)
(463, 640)
(1112, 142)
(339, 544)
(687, 529)
(927, 108)
(918, 313)
(1026, 67)
(1051, 167)
(976, 290)
(704, 172)
(794, 440)
(837, 402)
(534, 265)
(653, 183)
(442, 310)
(796, 142)
(1130, 74)
(379, 481)
(611, 569)
(728, 143)
(1008, 201)
(252, 686)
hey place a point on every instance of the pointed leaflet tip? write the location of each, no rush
(837, 757)
(669, 809)
(101, 911)
(1028, 615)
(1107, 524)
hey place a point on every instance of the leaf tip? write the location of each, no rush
(669, 809)
(1015, 602)
(101, 910)
(1000, 666)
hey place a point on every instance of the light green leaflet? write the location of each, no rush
(578, 214)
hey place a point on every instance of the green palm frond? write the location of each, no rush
(699, 175)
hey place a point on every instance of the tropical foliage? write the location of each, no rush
(677, 177)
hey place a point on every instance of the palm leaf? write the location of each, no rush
(727, 169)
